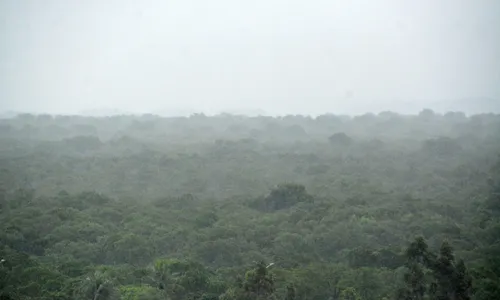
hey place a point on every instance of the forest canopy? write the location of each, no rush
(376, 206)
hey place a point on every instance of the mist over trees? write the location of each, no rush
(366, 207)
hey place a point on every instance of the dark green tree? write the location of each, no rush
(414, 283)
(349, 294)
(415, 279)
(290, 292)
(96, 286)
(259, 283)
(444, 274)
(462, 282)
(435, 277)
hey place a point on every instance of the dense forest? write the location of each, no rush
(375, 206)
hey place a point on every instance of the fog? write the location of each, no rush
(277, 57)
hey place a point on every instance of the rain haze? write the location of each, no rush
(255, 150)
(277, 57)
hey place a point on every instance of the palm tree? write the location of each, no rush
(96, 287)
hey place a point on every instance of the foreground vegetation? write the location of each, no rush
(370, 207)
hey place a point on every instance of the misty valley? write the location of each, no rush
(231, 207)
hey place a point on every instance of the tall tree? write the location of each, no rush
(290, 292)
(259, 283)
(96, 286)
(431, 276)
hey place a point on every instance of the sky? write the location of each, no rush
(278, 56)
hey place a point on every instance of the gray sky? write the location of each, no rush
(282, 56)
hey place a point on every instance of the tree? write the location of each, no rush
(437, 277)
(96, 286)
(487, 274)
(414, 281)
(259, 283)
(340, 139)
(427, 114)
(451, 280)
(462, 282)
(181, 279)
(290, 292)
(142, 292)
(442, 146)
(349, 294)
(443, 287)
(286, 195)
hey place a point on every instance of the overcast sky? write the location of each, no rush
(282, 56)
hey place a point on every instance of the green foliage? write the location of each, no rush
(24, 277)
(349, 294)
(259, 283)
(434, 276)
(144, 292)
(290, 293)
(181, 279)
(96, 286)
(282, 197)
(145, 207)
